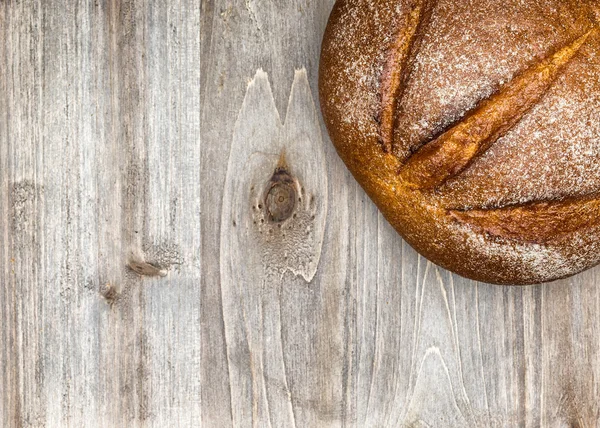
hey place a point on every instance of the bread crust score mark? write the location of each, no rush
(395, 73)
(536, 222)
(455, 149)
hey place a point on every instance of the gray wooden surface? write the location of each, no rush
(142, 283)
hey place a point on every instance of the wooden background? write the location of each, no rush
(142, 284)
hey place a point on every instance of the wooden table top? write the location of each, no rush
(141, 284)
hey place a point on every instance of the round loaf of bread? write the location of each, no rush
(475, 128)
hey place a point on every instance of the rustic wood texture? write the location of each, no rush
(141, 284)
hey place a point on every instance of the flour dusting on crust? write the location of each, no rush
(469, 51)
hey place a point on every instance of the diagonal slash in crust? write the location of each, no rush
(448, 155)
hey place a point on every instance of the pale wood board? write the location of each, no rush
(143, 134)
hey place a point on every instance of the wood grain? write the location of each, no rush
(131, 135)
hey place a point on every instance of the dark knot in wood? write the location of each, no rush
(145, 269)
(280, 202)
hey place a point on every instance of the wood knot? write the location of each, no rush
(145, 269)
(110, 293)
(280, 202)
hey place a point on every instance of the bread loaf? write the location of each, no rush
(474, 127)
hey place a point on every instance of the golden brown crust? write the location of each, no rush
(452, 152)
(448, 199)
(406, 43)
(538, 222)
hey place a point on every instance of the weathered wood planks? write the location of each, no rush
(142, 136)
